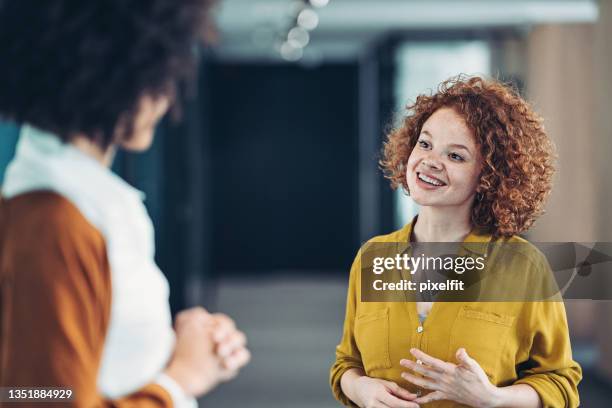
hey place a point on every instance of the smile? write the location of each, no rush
(430, 180)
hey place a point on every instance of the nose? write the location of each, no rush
(432, 164)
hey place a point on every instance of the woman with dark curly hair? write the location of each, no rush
(83, 306)
(477, 160)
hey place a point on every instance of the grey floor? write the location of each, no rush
(293, 326)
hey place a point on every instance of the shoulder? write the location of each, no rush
(521, 249)
(381, 244)
(523, 268)
(40, 216)
(400, 235)
(377, 244)
(385, 242)
(50, 248)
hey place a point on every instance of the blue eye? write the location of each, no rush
(423, 144)
(456, 157)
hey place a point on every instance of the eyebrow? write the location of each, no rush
(455, 145)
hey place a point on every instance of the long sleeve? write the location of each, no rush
(550, 370)
(55, 302)
(347, 352)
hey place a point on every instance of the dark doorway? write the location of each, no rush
(284, 149)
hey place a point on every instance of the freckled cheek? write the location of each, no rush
(464, 181)
(475, 177)
(413, 160)
(409, 174)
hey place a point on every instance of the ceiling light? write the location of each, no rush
(319, 3)
(298, 37)
(308, 19)
(290, 53)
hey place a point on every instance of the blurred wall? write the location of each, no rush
(603, 116)
(569, 82)
(560, 85)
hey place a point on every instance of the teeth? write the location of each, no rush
(430, 180)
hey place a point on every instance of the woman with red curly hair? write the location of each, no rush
(477, 160)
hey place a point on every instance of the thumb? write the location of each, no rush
(399, 391)
(465, 360)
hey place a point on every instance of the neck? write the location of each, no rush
(93, 150)
(442, 224)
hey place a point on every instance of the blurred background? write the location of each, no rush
(262, 195)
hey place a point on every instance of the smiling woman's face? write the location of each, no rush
(444, 166)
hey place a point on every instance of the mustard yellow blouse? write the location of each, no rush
(514, 342)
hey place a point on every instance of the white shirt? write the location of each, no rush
(140, 338)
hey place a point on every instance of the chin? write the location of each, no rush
(422, 198)
(139, 142)
(418, 198)
(441, 202)
(423, 202)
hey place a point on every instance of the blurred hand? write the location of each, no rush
(209, 349)
(230, 346)
(465, 383)
(374, 392)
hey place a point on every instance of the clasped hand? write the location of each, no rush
(465, 382)
(209, 349)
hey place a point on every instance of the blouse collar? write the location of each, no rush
(477, 241)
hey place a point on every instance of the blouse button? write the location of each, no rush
(419, 329)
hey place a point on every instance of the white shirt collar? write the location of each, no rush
(43, 161)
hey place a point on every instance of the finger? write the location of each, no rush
(224, 326)
(233, 341)
(421, 382)
(237, 359)
(224, 320)
(466, 361)
(399, 391)
(193, 315)
(395, 402)
(421, 369)
(189, 313)
(433, 362)
(432, 396)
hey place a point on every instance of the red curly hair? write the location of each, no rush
(518, 156)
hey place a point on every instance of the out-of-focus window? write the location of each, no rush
(421, 66)
(9, 134)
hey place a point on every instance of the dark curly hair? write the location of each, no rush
(518, 156)
(82, 66)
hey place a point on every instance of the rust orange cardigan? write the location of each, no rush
(55, 297)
